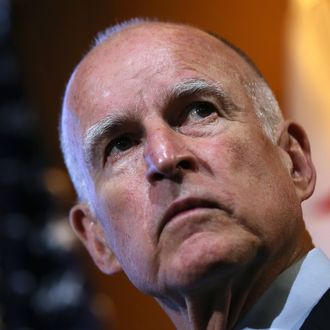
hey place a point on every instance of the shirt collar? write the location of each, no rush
(291, 297)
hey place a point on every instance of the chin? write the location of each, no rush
(205, 258)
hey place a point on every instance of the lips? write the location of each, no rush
(185, 205)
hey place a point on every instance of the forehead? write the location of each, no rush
(140, 64)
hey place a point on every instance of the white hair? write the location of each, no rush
(264, 101)
(68, 139)
(119, 27)
(266, 106)
(70, 150)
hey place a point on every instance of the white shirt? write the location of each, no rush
(292, 296)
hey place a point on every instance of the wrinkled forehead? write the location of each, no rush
(143, 60)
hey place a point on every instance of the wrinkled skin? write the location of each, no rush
(239, 193)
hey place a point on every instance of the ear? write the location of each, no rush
(294, 141)
(91, 233)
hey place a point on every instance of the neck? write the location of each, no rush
(214, 306)
(219, 307)
(201, 311)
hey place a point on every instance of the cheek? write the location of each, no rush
(260, 188)
(232, 157)
(125, 218)
(120, 208)
(123, 210)
(252, 160)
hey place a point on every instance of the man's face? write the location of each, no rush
(187, 186)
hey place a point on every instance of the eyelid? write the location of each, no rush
(194, 105)
(111, 144)
(200, 103)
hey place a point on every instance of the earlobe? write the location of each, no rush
(91, 233)
(294, 141)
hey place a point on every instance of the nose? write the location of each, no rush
(167, 155)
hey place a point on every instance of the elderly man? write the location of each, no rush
(190, 181)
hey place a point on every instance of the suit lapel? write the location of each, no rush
(319, 317)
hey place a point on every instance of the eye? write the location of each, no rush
(200, 110)
(120, 145)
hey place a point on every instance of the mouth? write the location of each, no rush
(185, 205)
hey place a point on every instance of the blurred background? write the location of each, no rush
(47, 281)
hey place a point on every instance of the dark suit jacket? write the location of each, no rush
(319, 317)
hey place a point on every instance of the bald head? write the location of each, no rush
(126, 52)
(188, 178)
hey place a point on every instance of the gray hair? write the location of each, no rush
(264, 101)
(266, 107)
(119, 27)
(70, 150)
(68, 139)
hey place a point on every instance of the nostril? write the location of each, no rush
(157, 176)
(184, 165)
(174, 172)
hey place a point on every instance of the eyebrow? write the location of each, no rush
(195, 87)
(97, 133)
(201, 87)
(113, 123)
